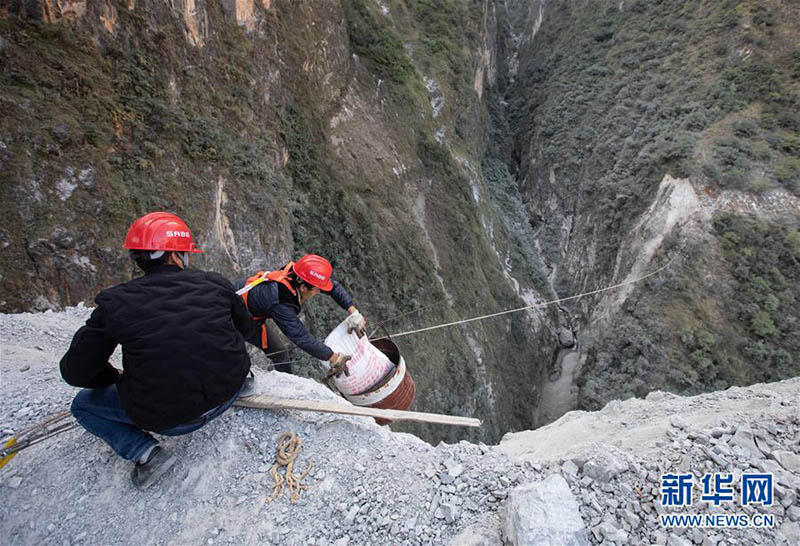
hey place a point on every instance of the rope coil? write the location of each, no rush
(289, 445)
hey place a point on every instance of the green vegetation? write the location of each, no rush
(764, 261)
(325, 220)
(788, 174)
(616, 98)
(449, 29)
(741, 327)
(372, 37)
(375, 38)
(453, 207)
(607, 100)
(150, 122)
(476, 283)
(511, 218)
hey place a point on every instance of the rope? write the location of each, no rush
(534, 306)
(401, 315)
(526, 308)
(288, 448)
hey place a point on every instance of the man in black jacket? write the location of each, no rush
(184, 360)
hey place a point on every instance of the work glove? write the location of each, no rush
(356, 322)
(338, 365)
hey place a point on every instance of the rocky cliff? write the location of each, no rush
(453, 158)
(647, 134)
(351, 129)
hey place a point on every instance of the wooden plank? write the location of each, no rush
(264, 401)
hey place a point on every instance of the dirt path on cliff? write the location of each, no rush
(638, 425)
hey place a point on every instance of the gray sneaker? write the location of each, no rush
(249, 387)
(145, 474)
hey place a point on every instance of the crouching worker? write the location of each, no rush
(278, 296)
(183, 352)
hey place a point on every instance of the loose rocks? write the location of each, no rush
(545, 512)
(372, 486)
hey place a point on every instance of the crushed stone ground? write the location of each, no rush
(369, 485)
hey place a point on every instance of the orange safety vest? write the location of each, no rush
(279, 275)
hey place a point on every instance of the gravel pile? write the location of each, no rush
(619, 492)
(367, 484)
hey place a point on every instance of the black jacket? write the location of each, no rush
(273, 300)
(183, 353)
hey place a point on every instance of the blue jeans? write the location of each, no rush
(100, 412)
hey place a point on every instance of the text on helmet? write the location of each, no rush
(317, 275)
(179, 234)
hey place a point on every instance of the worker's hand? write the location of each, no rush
(356, 322)
(338, 365)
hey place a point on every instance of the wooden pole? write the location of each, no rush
(264, 401)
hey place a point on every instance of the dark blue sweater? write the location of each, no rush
(273, 300)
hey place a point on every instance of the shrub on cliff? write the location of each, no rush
(372, 38)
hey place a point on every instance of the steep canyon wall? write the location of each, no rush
(352, 129)
(453, 158)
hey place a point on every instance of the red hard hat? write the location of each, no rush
(315, 270)
(160, 231)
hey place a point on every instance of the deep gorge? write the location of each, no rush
(452, 160)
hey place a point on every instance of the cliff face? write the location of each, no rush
(351, 129)
(649, 134)
(454, 159)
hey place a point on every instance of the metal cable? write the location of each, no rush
(527, 307)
